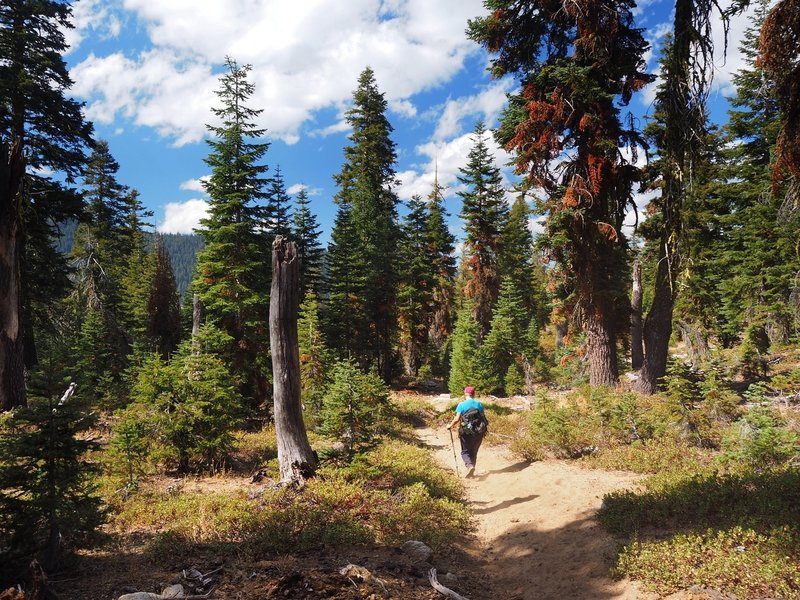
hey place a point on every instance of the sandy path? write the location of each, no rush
(536, 525)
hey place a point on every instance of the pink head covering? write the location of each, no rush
(469, 390)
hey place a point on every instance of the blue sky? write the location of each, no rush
(147, 71)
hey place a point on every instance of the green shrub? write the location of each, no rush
(396, 465)
(48, 498)
(759, 441)
(419, 516)
(353, 407)
(189, 405)
(740, 560)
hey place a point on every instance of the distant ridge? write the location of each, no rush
(181, 247)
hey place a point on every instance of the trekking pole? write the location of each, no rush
(453, 445)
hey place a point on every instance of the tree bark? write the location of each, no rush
(657, 330)
(637, 352)
(197, 319)
(601, 340)
(296, 459)
(12, 355)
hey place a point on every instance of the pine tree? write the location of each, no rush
(503, 346)
(484, 212)
(47, 498)
(163, 308)
(780, 38)
(305, 233)
(352, 407)
(575, 62)
(108, 206)
(516, 257)
(315, 356)
(365, 189)
(44, 130)
(278, 208)
(345, 318)
(190, 403)
(761, 257)
(681, 100)
(464, 360)
(443, 264)
(415, 292)
(232, 270)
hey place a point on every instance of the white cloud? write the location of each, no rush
(183, 217)
(487, 104)
(310, 191)
(305, 55)
(149, 91)
(445, 158)
(404, 108)
(95, 17)
(195, 185)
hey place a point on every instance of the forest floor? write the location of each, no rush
(535, 536)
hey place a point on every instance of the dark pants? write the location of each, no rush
(470, 442)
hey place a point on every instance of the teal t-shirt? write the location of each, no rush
(465, 405)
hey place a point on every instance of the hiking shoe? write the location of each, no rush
(470, 473)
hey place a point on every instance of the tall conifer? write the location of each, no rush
(576, 62)
(41, 130)
(484, 212)
(305, 233)
(232, 270)
(366, 183)
(443, 263)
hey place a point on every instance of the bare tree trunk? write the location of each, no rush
(296, 459)
(637, 352)
(12, 355)
(197, 318)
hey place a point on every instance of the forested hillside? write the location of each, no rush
(244, 394)
(182, 249)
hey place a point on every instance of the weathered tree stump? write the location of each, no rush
(296, 459)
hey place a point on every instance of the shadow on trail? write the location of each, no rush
(504, 504)
(569, 562)
(515, 468)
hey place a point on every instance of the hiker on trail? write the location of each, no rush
(472, 427)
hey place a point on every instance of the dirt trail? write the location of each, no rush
(536, 525)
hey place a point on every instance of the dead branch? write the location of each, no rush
(441, 589)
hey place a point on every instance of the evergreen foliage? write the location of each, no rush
(305, 233)
(353, 407)
(515, 260)
(232, 276)
(51, 137)
(189, 404)
(443, 263)
(163, 309)
(502, 348)
(566, 114)
(182, 249)
(47, 495)
(315, 359)
(366, 232)
(465, 366)
(484, 212)
(277, 210)
(344, 317)
(415, 292)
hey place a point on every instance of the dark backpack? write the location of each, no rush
(473, 421)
